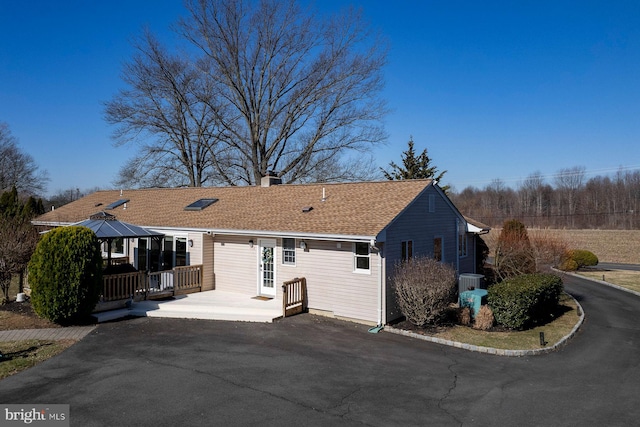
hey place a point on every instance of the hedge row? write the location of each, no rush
(523, 301)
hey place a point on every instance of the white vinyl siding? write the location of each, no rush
(333, 287)
(236, 265)
(207, 260)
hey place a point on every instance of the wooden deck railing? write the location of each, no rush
(187, 279)
(123, 286)
(180, 280)
(294, 296)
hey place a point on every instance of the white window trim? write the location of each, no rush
(355, 259)
(295, 253)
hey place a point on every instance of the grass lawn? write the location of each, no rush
(16, 356)
(514, 340)
(624, 278)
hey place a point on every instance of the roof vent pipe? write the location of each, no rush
(323, 195)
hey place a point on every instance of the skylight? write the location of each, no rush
(116, 204)
(199, 205)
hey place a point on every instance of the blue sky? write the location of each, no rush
(491, 89)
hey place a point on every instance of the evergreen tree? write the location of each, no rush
(414, 167)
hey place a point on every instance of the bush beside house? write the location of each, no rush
(65, 274)
(523, 301)
(424, 289)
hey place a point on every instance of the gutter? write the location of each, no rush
(252, 233)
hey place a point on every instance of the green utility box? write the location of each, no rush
(473, 299)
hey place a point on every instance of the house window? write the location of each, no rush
(167, 253)
(143, 244)
(437, 249)
(407, 250)
(289, 251)
(117, 247)
(181, 251)
(361, 256)
(462, 245)
(174, 252)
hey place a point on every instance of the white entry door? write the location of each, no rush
(266, 266)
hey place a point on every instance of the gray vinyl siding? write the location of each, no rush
(467, 263)
(416, 223)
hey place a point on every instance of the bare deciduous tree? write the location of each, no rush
(17, 168)
(164, 111)
(265, 87)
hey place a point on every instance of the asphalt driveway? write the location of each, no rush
(309, 370)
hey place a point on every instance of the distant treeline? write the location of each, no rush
(606, 202)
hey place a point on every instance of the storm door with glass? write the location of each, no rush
(266, 263)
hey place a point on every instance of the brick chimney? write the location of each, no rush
(270, 179)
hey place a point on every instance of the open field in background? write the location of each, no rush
(621, 246)
(626, 279)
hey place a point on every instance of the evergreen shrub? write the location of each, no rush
(578, 258)
(65, 274)
(524, 301)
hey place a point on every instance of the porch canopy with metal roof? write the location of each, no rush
(108, 228)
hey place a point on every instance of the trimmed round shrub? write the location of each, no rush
(568, 264)
(575, 259)
(464, 316)
(65, 274)
(524, 301)
(424, 289)
(484, 319)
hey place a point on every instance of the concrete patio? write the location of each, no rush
(212, 305)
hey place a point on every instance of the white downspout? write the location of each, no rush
(380, 326)
(380, 292)
(458, 247)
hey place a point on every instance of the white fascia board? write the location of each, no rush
(269, 233)
(252, 233)
(52, 223)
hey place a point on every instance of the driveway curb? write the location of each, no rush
(496, 351)
(602, 282)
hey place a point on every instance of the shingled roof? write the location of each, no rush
(350, 209)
